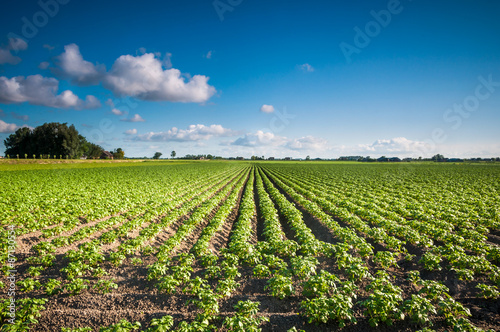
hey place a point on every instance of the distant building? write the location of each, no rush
(106, 155)
(270, 158)
(288, 158)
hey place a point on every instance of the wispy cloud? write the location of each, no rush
(43, 65)
(135, 118)
(267, 108)
(14, 44)
(49, 47)
(263, 139)
(192, 133)
(260, 138)
(397, 145)
(19, 116)
(116, 111)
(306, 68)
(131, 131)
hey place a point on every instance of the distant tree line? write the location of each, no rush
(199, 156)
(53, 139)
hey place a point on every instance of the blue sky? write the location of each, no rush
(273, 78)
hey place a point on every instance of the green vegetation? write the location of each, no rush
(335, 244)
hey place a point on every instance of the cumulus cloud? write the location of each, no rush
(135, 118)
(116, 111)
(398, 145)
(8, 127)
(39, 90)
(131, 131)
(192, 133)
(260, 138)
(14, 44)
(80, 72)
(267, 108)
(308, 143)
(306, 67)
(143, 77)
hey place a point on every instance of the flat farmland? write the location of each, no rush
(250, 246)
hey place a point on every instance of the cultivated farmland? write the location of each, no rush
(240, 246)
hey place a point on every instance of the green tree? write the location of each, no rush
(438, 157)
(118, 154)
(48, 139)
(91, 150)
(19, 142)
(173, 154)
(157, 155)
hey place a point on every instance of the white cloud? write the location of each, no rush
(143, 77)
(308, 143)
(135, 118)
(192, 133)
(267, 108)
(49, 47)
(39, 90)
(78, 71)
(8, 127)
(116, 111)
(131, 131)
(14, 44)
(306, 67)
(267, 139)
(260, 138)
(398, 145)
(209, 55)
(167, 60)
(44, 65)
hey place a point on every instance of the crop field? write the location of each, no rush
(241, 246)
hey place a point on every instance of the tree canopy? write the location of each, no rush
(52, 139)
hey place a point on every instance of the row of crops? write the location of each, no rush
(252, 246)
